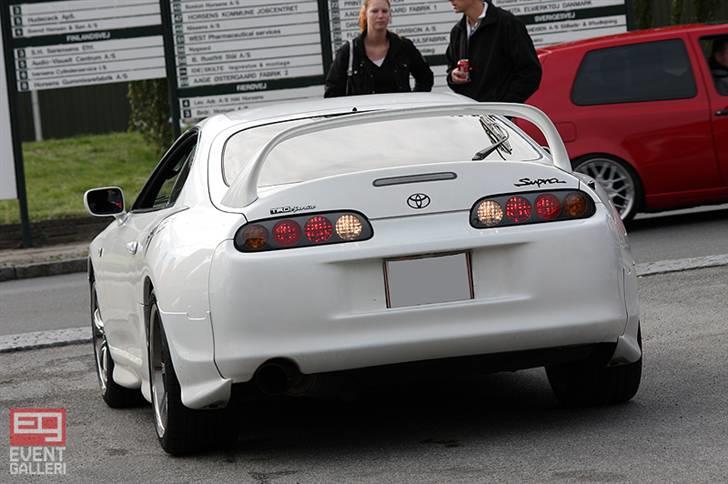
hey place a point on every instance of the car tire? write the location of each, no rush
(113, 394)
(588, 383)
(618, 179)
(181, 430)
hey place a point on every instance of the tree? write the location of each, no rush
(149, 105)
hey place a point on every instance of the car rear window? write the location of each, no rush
(370, 146)
(652, 71)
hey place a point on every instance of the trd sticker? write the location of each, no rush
(291, 209)
(527, 182)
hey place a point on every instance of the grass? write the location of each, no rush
(58, 172)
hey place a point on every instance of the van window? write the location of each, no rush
(715, 50)
(651, 71)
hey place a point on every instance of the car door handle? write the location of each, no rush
(132, 247)
(722, 112)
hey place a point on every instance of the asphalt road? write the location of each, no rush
(499, 428)
(61, 302)
(43, 303)
(679, 234)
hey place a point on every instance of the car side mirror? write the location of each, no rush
(102, 202)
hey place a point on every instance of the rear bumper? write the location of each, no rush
(324, 308)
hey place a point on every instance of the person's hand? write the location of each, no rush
(459, 76)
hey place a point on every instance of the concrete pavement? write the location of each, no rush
(43, 261)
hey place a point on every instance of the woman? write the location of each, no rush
(382, 62)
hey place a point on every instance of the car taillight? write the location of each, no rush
(254, 236)
(548, 206)
(302, 231)
(518, 209)
(286, 232)
(318, 229)
(349, 227)
(531, 207)
(576, 204)
(489, 213)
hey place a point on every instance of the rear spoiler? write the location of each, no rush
(244, 189)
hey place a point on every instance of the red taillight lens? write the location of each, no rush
(518, 209)
(254, 237)
(548, 206)
(575, 205)
(318, 229)
(287, 232)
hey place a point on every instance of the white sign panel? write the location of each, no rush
(71, 43)
(234, 54)
(426, 23)
(551, 22)
(7, 160)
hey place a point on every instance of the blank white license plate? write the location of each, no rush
(432, 279)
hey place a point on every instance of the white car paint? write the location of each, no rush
(226, 312)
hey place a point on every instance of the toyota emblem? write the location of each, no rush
(418, 200)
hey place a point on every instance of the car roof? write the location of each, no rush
(636, 36)
(337, 105)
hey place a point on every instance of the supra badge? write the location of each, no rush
(525, 182)
(418, 200)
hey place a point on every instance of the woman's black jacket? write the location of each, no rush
(402, 59)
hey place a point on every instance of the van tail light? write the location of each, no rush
(303, 231)
(531, 207)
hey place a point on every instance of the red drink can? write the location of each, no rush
(464, 66)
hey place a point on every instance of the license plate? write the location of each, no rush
(439, 278)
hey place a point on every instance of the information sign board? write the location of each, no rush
(7, 157)
(232, 54)
(235, 54)
(69, 43)
(552, 21)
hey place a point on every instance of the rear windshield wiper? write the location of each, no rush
(496, 134)
(480, 155)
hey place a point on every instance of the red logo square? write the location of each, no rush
(37, 427)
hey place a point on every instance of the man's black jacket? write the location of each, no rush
(504, 65)
(402, 59)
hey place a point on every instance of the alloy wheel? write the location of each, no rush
(159, 380)
(616, 181)
(101, 347)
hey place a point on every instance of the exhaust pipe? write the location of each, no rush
(276, 377)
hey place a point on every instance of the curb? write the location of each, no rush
(44, 339)
(679, 265)
(43, 269)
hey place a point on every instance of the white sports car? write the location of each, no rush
(275, 244)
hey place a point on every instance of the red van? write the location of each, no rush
(643, 113)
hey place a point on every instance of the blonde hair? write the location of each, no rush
(363, 14)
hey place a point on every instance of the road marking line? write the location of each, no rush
(62, 337)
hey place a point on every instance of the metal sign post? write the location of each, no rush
(11, 149)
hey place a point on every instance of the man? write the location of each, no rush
(719, 65)
(503, 65)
